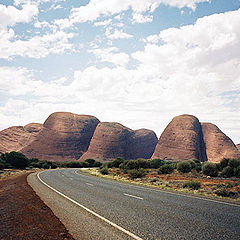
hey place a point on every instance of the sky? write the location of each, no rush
(136, 62)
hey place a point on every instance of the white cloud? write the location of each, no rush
(194, 69)
(10, 15)
(117, 34)
(97, 8)
(35, 47)
(140, 18)
(103, 23)
(111, 55)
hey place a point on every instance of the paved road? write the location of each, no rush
(148, 213)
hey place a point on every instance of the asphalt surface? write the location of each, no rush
(145, 212)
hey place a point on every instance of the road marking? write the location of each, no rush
(168, 192)
(89, 184)
(133, 196)
(90, 211)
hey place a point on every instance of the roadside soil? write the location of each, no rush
(23, 214)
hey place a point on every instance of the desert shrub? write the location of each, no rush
(192, 163)
(2, 165)
(223, 192)
(104, 171)
(184, 167)
(237, 172)
(138, 163)
(224, 163)
(227, 172)
(76, 164)
(15, 160)
(136, 173)
(90, 162)
(166, 169)
(116, 163)
(210, 169)
(192, 185)
(234, 163)
(156, 163)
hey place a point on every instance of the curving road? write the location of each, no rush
(143, 212)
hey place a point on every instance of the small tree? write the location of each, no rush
(15, 159)
(237, 172)
(156, 163)
(227, 172)
(166, 169)
(210, 169)
(136, 173)
(104, 171)
(184, 167)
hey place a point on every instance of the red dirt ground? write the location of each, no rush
(24, 216)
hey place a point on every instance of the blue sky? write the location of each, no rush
(136, 62)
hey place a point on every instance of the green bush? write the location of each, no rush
(227, 172)
(166, 169)
(237, 172)
(224, 163)
(116, 163)
(234, 163)
(15, 160)
(136, 173)
(210, 169)
(192, 185)
(104, 171)
(2, 165)
(138, 163)
(223, 192)
(90, 162)
(156, 163)
(184, 167)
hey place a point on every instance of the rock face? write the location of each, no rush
(64, 137)
(141, 144)
(218, 145)
(238, 147)
(16, 138)
(181, 139)
(112, 140)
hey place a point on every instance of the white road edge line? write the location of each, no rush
(90, 211)
(129, 195)
(173, 193)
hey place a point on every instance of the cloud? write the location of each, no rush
(10, 15)
(117, 34)
(111, 55)
(97, 8)
(194, 69)
(103, 23)
(35, 47)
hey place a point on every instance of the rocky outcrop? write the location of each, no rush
(141, 144)
(218, 145)
(16, 138)
(181, 139)
(112, 140)
(64, 137)
(238, 147)
(109, 141)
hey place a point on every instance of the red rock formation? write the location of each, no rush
(109, 141)
(112, 140)
(16, 138)
(64, 137)
(218, 145)
(141, 144)
(238, 147)
(181, 139)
